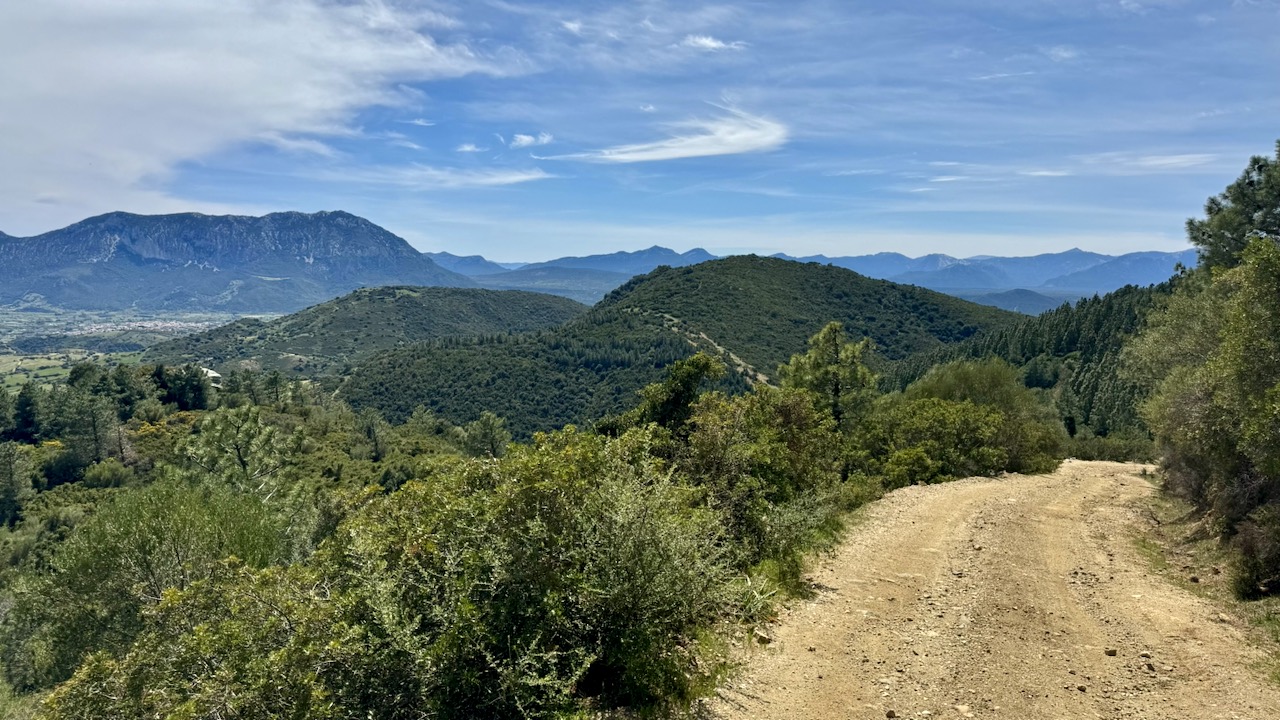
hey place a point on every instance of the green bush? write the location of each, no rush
(769, 463)
(932, 440)
(1030, 433)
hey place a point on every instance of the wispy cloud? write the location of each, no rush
(299, 145)
(469, 148)
(1045, 173)
(522, 141)
(1061, 53)
(707, 42)
(420, 122)
(573, 26)
(735, 133)
(425, 177)
(1128, 163)
(852, 173)
(1001, 76)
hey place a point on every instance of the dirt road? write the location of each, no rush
(1017, 597)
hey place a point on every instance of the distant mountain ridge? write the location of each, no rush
(637, 262)
(469, 265)
(1048, 279)
(286, 261)
(274, 263)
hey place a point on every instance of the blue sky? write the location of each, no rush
(525, 131)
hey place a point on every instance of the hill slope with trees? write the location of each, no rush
(753, 312)
(327, 336)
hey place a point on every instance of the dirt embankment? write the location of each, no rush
(1017, 597)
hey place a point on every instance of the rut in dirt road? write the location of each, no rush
(1018, 597)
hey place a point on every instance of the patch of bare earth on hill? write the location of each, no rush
(1019, 597)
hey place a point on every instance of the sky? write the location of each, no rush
(525, 131)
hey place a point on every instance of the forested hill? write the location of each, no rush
(755, 312)
(764, 309)
(1075, 351)
(325, 337)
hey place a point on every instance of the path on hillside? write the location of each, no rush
(1003, 598)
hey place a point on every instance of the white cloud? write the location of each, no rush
(733, 134)
(948, 178)
(1061, 53)
(424, 177)
(1044, 173)
(521, 141)
(573, 26)
(707, 42)
(852, 173)
(648, 108)
(421, 122)
(469, 148)
(1128, 163)
(115, 95)
(1001, 76)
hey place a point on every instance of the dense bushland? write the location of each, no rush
(1212, 354)
(263, 550)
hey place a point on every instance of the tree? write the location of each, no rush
(1248, 209)
(28, 413)
(834, 372)
(237, 447)
(12, 483)
(6, 413)
(669, 404)
(486, 436)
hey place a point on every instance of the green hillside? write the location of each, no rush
(325, 337)
(1073, 351)
(755, 312)
(765, 309)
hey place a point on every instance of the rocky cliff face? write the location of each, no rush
(275, 263)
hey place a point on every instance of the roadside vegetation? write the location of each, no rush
(175, 550)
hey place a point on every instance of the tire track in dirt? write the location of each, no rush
(1021, 597)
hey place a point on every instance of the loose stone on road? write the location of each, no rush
(1020, 597)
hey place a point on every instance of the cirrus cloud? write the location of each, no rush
(733, 134)
(707, 42)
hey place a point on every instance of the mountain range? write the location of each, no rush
(275, 263)
(283, 262)
(1029, 285)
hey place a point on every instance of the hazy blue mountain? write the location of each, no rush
(275, 263)
(1036, 270)
(959, 276)
(469, 265)
(880, 265)
(1073, 272)
(1027, 302)
(581, 284)
(630, 263)
(1140, 268)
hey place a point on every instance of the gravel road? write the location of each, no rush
(1017, 597)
